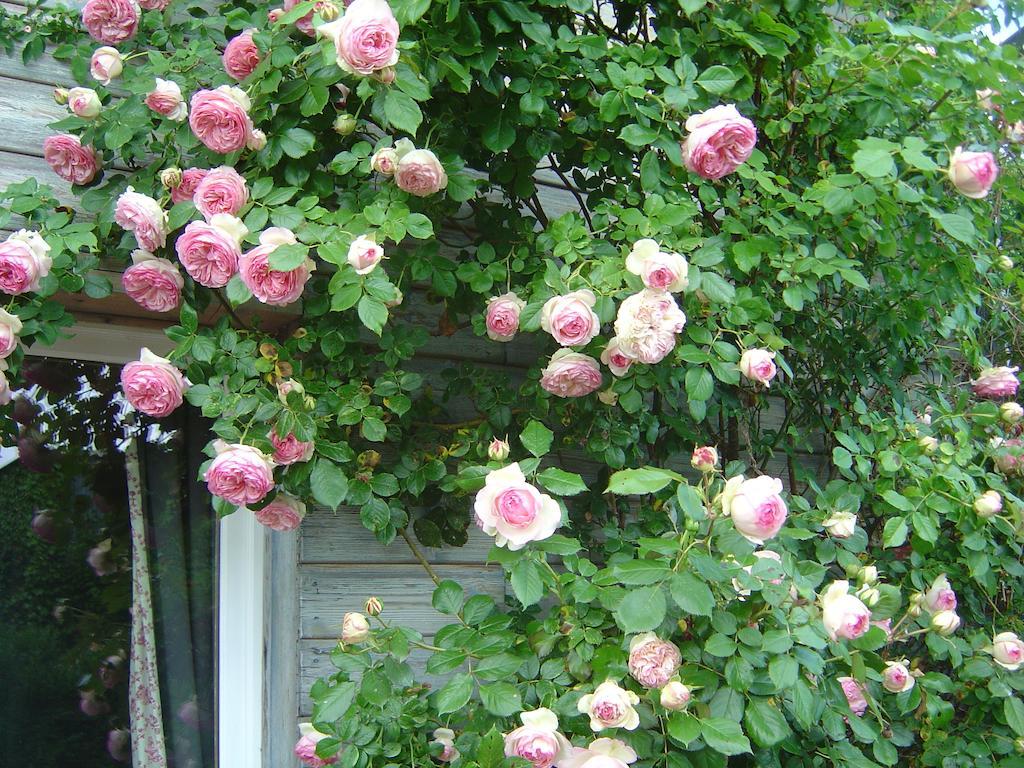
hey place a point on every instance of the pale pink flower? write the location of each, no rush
(996, 383)
(106, 64)
(513, 511)
(284, 513)
(84, 103)
(305, 748)
(240, 474)
(896, 678)
(856, 695)
(241, 56)
(166, 100)
(502, 318)
(610, 706)
(988, 504)
(289, 449)
(220, 119)
(538, 740)
(571, 374)
(111, 21)
(210, 251)
(653, 661)
(570, 319)
(10, 327)
(221, 190)
(364, 255)
(119, 745)
(354, 628)
(675, 696)
(272, 286)
(142, 215)
(385, 161)
(755, 506)
(152, 283)
(602, 753)
(190, 180)
(647, 324)
(704, 458)
(659, 270)
(92, 705)
(305, 24)
(446, 738)
(24, 262)
(615, 358)
(70, 159)
(940, 596)
(1008, 651)
(841, 524)
(758, 365)
(419, 172)
(365, 37)
(844, 615)
(102, 564)
(152, 385)
(972, 173)
(719, 141)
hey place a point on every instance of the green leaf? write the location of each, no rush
(419, 226)
(375, 514)
(898, 500)
(783, 670)
(628, 482)
(717, 79)
(334, 704)
(637, 572)
(690, 7)
(287, 257)
(561, 482)
(297, 142)
(501, 699)
(315, 100)
(372, 313)
(346, 296)
(637, 135)
(402, 111)
(491, 752)
(766, 725)
(237, 291)
(526, 582)
(455, 694)
(874, 162)
(724, 736)
(683, 727)
(700, 384)
(536, 438)
(691, 594)
(500, 133)
(1013, 709)
(957, 226)
(641, 609)
(447, 597)
(894, 534)
(328, 483)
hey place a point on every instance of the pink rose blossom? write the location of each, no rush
(940, 596)
(758, 365)
(538, 740)
(660, 271)
(220, 119)
(222, 190)
(571, 374)
(241, 56)
(844, 615)
(84, 103)
(896, 678)
(10, 327)
(210, 252)
(105, 64)
(305, 24)
(603, 753)
(152, 283)
(704, 458)
(154, 5)
(647, 324)
(996, 383)
(166, 100)
(420, 173)
(855, 695)
(355, 628)
(284, 513)
(1007, 650)
(92, 705)
(513, 511)
(720, 140)
(499, 449)
(289, 449)
(111, 21)
(99, 559)
(70, 159)
(152, 385)
(502, 318)
(755, 506)
(972, 173)
(43, 526)
(190, 180)
(446, 738)
(271, 286)
(119, 745)
(364, 255)
(365, 37)
(610, 706)
(305, 748)
(653, 661)
(615, 358)
(675, 696)
(142, 215)
(24, 262)
(5, 386)
(240, 474)
(570, 319)
(385, 161)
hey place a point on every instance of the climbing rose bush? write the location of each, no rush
(706, 315)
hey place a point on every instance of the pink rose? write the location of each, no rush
(610, 706)
(940, 596)
(1009, 457)
(364, 255)
(972, 173)
(119, 745)
(111, 21)
(105, 64)
(221, 190)
(675, 696)
(502, 318)
(166, 100)
(24, 262)
(240, 474)
(5, 386)
(305, 748)
(241, 56)
(190, 180)
(272, 286)
(289, 449)
(570, 319)
(365, 37)
(92, 705)
(646, 325)
(606, 753)
(844, 615)
(720, 140)
(354, 628)
(43, 526)
(996, 383)
(446, 738)
(538, 740)
(305, 24)
(98, 558)
(84, 103)
(571, 374)
(420, 173)
(220, 119)
(10, 327)
(758, 365)
(660, 271)
(284, 513)
(152, 283)
(653, 661)
(513, 511)
(615, 358)
(152, 385)
(855, 695)
(385, 161)
(498, 450)
(1007, 650)
(210, 252)
(154, 5)
(755, 506)
(69, 159)
(896, 678)
(142, 215)
(704, 458)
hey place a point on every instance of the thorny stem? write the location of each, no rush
(419, 556)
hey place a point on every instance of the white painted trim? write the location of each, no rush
(240, 667)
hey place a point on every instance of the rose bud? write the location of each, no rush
(106, 64)
(704, 458)
(1007, 650)
(869, 596)
(170, 177)
(989, 504)
(498, 450)
(1018, 745)
(1005, 263)
(675, 696)
(1011, 413)
(608, 396)
(395, 302)
(996, 383)
(60, 95)
(972, 173)
(897, 678)
(374, 606)
(940, 596)
(344, 124)
(257, 140)
(84, 103)
(354, 629)
(868, 574)
(928, 444)
(274, 14)
(327, 10)
(945, 622)
(43, 526)
(385, 76)
(385, 161)
(841, 525)
(758, 365)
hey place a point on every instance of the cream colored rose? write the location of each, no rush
(610, 707)
(660, 271)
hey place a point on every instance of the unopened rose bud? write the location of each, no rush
(354, 629)
(287, 386)
(841, 525)
(897, 678)
(868, 575)
(1018, 745)
(368, 459)
(84, 103)
(1011, 413)
(704, 458)
(675, 696)
(395, 302)
(268, 350)
(344, 124)
(300, 333)
(608, 396)
(257, 140)
(691, 525)
(945, 622)
(60, 95)
(926, 417)
(309, 402)
(928, 444)
(327, 10)
(1004, 262)
(498, 450)
(374, 606)
(385, 76)
(274, 14)
(869, 596)
(989, 504)
(683, 626)
(343, 93)
(916, 605)
(43, 526)
(170, 178)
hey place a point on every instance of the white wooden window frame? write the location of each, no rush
(243, 553)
